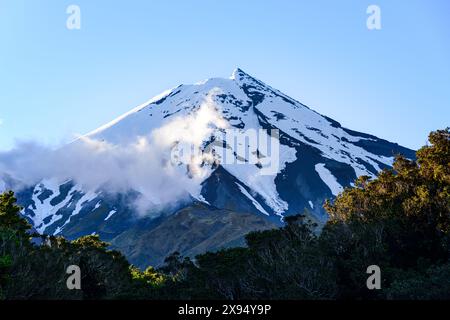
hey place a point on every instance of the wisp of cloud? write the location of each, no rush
(144, 165)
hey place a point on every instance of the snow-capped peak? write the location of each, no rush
(315, 157)
(245, 102)
(238, 73)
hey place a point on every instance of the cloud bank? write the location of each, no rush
(146, 165)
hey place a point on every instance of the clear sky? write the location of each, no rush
(56, 82)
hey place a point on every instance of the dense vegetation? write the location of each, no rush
(399, 221)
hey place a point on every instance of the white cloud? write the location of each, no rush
(144, 165)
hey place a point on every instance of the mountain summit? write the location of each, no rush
(228, 156)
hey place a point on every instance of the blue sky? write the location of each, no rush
(55, 82)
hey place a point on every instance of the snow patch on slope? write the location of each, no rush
(43, 210)
(253, 200)
(110, 214)
(329, 179)
(86, 198)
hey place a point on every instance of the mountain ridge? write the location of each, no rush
(317, 159)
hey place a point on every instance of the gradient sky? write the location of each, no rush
(55, 82)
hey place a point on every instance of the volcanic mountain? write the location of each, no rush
(283, 159)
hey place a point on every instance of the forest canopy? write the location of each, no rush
(399, 221)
